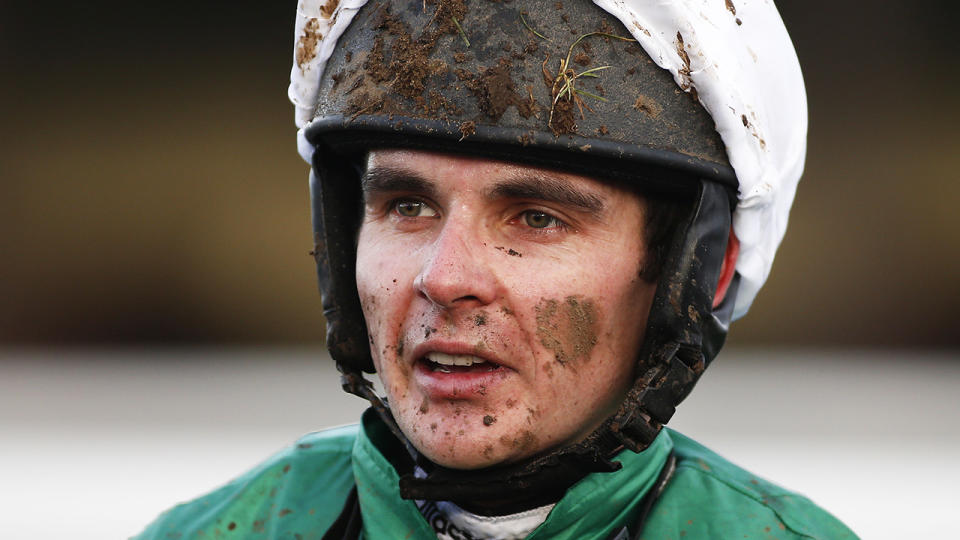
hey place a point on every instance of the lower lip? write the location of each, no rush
(458, 384)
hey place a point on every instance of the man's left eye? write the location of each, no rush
(540, 220)
(411, 209)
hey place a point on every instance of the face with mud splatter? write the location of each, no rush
(504, 303)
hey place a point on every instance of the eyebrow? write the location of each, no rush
(390, 180)
(539, 186)
(548, 188)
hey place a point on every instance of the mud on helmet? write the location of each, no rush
(542, 83)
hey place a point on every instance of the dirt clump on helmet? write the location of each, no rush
(404, 67)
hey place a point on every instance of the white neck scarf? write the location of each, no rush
(451, 522)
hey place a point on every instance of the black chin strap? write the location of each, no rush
(508, 489)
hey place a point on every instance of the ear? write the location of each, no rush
(728, 269)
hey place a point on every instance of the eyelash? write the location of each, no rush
(556, 224)
(395, 205)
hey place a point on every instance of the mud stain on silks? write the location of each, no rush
(568, 329)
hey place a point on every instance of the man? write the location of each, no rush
(531, 228)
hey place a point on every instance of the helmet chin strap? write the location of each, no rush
(683, 335)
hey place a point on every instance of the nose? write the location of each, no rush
(455, 272)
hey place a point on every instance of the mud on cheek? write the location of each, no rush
(568, 329)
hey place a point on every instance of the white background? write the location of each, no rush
(94, 445)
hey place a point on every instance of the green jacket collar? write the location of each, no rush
(593, 508)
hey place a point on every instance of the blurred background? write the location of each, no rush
(160, 329)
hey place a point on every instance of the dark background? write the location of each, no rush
(150, 190)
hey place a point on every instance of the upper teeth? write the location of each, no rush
(454, 359)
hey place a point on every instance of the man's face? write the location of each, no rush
(504, 303)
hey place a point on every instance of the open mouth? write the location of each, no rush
(438, 362)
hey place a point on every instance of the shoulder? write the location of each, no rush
(709, 497)
(298, 491)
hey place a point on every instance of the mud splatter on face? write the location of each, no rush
(522, 442)
(488, 420)
(424, 406)
(403, 367)
(509, 251)
(567, 329)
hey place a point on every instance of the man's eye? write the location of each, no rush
(413, 209)
(540, 220)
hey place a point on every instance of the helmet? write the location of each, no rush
(571, 87)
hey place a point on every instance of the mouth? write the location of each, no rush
(457, 371)
(438, 362)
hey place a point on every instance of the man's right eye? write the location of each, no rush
(411, 208)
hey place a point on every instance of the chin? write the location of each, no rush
(457, 446)
(463, 455)
(464, 461)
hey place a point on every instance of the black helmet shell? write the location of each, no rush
(405, 76)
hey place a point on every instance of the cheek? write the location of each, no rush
(385, 278)
(376, 295)
(628, 309)
(371, 301)
(382, 273)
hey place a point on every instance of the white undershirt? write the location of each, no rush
(451, 522)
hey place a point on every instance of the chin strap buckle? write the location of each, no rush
(654, 397)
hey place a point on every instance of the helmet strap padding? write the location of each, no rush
(683, 331)
(336, 199)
